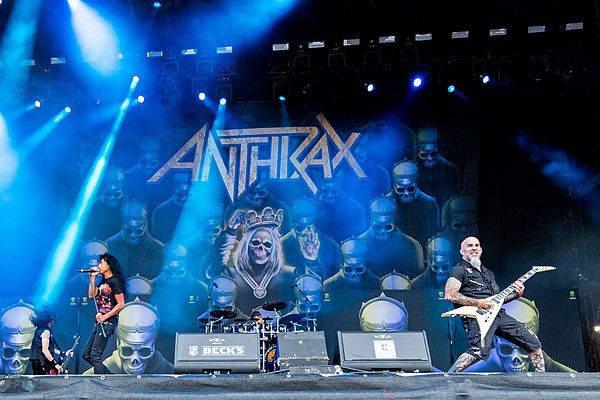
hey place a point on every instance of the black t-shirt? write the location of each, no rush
(36, 346)
(105, 299)
(474, 283)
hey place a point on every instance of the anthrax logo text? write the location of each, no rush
(238, 169)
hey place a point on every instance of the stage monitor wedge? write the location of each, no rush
(385, 351)
(206, 353)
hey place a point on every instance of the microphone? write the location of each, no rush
(93, 269)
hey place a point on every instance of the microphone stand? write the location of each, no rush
(308, 308)
(97, 311)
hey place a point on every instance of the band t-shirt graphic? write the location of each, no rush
(105, 299)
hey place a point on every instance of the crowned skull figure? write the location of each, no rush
(16, 334)
(256, 260)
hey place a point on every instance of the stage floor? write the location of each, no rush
(306, 385)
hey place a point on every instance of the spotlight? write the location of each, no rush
(37, 103)
(485, 79)
(157, 4)
(370, 87)
(201, 96)
(140, 99)
(451, 89)
(417, 81)
(223, 101)
(67, 109)
(282, 98)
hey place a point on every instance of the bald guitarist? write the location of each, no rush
(472, 286)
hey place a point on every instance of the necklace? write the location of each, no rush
(259, 290)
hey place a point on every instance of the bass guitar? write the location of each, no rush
(486, 317)
(68, 355)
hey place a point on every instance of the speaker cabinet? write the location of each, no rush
(300, 349)
(205, 353)
(389, 351)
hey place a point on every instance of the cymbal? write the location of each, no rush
(240, 320)
(267, 319)
(274, 305)
(207, 321)
(225, 314)
(291, 319)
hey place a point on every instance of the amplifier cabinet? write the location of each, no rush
(202, 353)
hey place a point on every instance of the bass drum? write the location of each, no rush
(271, 358)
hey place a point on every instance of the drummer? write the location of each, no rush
(257, 317)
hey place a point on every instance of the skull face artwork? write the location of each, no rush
(439, 257)
(224, 292)
(260, 246)
(512, 357)
(427, 147)
(257, 194)
(175, 257)
(330, 192)
(307, 292)
(134, 222)
(16, 333)
(136, 335)
(354, 259)
(404, 175)
(382, 212)
(112, 187)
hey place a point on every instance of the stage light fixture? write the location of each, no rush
(574, 26)
(157, 4)
(417, 81)
(423, 37)
(485, 79)
(223, 101)
(57, 60)
(498, 32)
(37, 103)
(151, 54)
(351, 42)
(319, 44)
(281, 46)
(223, 91)
(451, 88)
(141, 99)
(460, 35)
(387, 39)
(28, 63)
(189, 52)
(536, 29)
(225, 50)
(201, 96)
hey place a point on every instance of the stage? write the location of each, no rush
(307, 384)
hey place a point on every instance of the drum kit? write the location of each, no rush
(267, 329)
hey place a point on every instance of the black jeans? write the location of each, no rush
(92, 353)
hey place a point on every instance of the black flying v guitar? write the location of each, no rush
(486, 317)
(67, 357)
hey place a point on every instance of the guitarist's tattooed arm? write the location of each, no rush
(451, 294)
